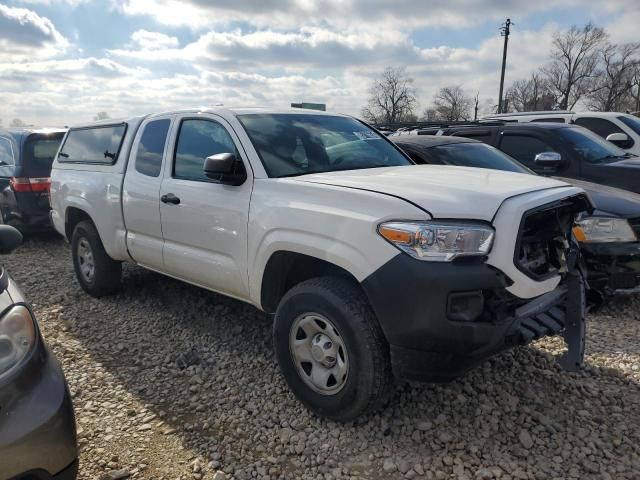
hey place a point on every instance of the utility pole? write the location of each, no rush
(505, 30)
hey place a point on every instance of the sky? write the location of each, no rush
(63, 61)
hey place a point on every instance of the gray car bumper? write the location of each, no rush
(37, 423)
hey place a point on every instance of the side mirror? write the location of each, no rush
(225, 168)
(548, 160)
(10, 239)
(619, 139)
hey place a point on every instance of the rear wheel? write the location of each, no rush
(331, 349)
(97, 273)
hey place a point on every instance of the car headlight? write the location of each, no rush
(603, 229)
(439, 241)
(17, 336)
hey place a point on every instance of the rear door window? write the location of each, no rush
(524, 148)
(151, 147)
(97, 145)
(39, 152)
(6, 152)
(603, 127)
(600, 126)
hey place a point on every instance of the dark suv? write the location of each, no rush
(560, 150)
(26, 156)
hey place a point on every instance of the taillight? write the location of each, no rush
(26, 184)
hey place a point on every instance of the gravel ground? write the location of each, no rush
(173, 382)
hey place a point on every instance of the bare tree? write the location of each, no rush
(101, 116)
(391, 98)
(530, 95)
(574, 63)
(611, 89)
(16, 122)
(451, 104)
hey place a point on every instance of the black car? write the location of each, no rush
(609, 238)
(559, 149)
(26, 156)
(37, 422)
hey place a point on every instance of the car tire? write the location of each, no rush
(97, 273)
(351, 336)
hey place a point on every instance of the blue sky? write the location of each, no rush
(62, 61)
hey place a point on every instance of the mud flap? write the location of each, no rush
(575, 322)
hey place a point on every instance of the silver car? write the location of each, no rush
(37, 423)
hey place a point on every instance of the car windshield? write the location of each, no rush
(476, 155)
(632, 122)
(293, 144)
(39, 151)
(591, 147)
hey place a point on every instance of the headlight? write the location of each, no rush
(603, 229)
(439, 241)
(17, 336)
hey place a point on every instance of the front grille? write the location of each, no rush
(544, 237)
(635, 225)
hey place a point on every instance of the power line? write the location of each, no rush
(505, 30)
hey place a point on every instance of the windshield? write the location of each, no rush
(39, 151)
(632, 122)
(293, 144)
(476, 155)
(591, 147)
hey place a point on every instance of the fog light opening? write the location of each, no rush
(465, 306)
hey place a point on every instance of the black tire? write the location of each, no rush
(107, 272)
(369, 378)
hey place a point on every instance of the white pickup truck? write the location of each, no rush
(374, 267)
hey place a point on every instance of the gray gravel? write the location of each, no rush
(172, 382)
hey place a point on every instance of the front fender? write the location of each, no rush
(334, 224)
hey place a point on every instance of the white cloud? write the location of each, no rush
(287, 50)
(354, 15)
(25, 34)
(153, 40)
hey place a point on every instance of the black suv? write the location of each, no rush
(560, 150)
(26, 156)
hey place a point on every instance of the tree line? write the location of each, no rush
(583, 66)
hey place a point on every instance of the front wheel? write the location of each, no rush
(331, 349)
(97, 273)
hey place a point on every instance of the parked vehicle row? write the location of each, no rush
(371, 268)
(609, 238)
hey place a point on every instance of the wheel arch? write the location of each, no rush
(285, 269)
(73, 216)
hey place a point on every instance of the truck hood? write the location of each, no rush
(443, 191)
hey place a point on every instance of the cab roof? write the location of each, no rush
(215, 109)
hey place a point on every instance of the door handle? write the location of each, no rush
(170, 198)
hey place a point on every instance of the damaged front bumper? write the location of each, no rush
(442, 320)
(561, 311)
